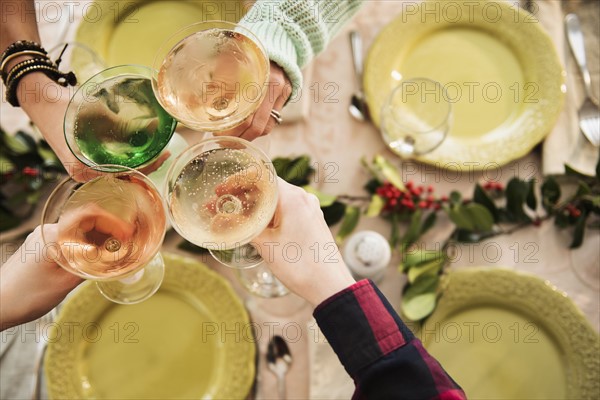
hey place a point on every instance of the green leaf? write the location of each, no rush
(573, 172)
(460, 218)
(372, 185)
(375, 206)
(294, 171)
(389, 172)
(429, 268)
(481, 197)
(6, 165)
(351, 218)
(428, 223)
(455, 198)
(583, 189)
(413, 231)
(550, 193)
(325, 200)
(516, 195)
(480, 217)
(531, 197)
(418, 307)
(334, 213)
(419, 299)
(16, 144)
(420, 256)
(579, 231)
(191, 247)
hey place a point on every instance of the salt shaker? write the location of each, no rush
(367, 255)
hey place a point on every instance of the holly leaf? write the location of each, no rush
(579, 232)
(419, 299)
(455, 198)
(428, 223)
(295, 171)
(351, 218)
(461, 219)
(481, 197)
(516, 195)
(325, 200)
(389, 172)
(413, 231)
(375, 206)
(372, 185)
(531, 200)
(480, 217)
(550, 193)
(334, 213)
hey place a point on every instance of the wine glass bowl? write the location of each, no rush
(221, 193)
(416, 117)
(113, 118)
(108, 228)
(211, 76)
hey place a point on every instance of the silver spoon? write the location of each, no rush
(279, 360)
(589, 112)
(358, 106)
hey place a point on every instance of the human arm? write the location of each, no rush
(293, 33)
(377, 349)
(31, 283)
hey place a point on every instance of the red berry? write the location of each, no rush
(409, 184)
(393, 202)
(422, 204)
(576, 212)
(444, 198)
(429, 189)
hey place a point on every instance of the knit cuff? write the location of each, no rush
(280, 49)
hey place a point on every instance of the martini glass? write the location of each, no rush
(108, 228)
(211, 76)
(113, 118)
(221, 194)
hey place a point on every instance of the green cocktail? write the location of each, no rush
(114, 118)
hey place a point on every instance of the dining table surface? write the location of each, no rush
(336, 143)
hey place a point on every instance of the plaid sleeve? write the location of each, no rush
(378, 350)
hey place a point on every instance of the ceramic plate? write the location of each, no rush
(498, 66)
(507, 335)
(177, 344)
(130, 32)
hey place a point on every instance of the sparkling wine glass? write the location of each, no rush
(416, 117)
(222, 193)
(211, 76)
(108, 228)
(114, 118)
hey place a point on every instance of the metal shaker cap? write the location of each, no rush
(367, 254)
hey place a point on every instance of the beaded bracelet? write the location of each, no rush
(45, 66)
(21, 45)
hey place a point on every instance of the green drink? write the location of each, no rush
(114, 118)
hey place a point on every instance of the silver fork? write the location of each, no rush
(589, 112)
(42, 345)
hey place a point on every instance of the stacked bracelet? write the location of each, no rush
(39, 63)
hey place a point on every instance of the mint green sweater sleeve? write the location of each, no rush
(294, 31)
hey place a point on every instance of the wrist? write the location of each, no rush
(339, 279)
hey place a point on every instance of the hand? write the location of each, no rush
(31, 284)
(261, 122)
(319, 271)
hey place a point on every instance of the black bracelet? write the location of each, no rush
(7, 77)
(45, 66)
(22, 45)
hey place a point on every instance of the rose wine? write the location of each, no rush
(223, 198)
(121, 122)
(111, 226)
(213, 78)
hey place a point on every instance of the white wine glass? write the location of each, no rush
(222, 193)
(108, 227)
(113, 118)
(416, 117)
(211, 76)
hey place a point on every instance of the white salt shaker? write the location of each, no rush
(367, 254)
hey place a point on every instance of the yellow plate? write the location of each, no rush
(130, 32)
(499, 68)
(507, 335)
(192, 339)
